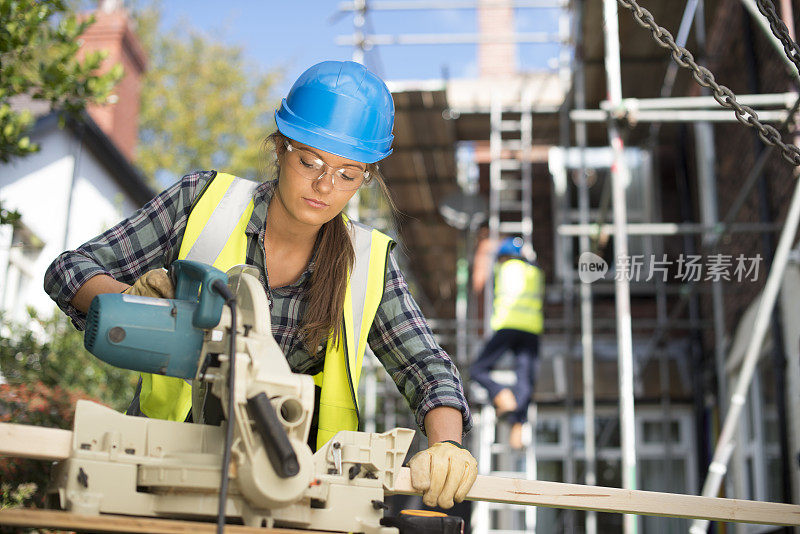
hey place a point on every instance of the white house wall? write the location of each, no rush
(98, 202)
(38, 187)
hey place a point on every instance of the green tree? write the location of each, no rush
(203, 106)
(38, 58)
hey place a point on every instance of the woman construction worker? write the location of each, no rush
(517, 322)
(333, 127)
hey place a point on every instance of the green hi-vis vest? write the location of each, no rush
(215, 234)
(518, 291)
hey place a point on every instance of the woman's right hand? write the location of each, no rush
(155, 283)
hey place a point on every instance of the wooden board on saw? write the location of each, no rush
(24, 517)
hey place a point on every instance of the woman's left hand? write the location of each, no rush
(444, 473)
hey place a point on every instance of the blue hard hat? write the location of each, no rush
(342, 108)
(511, 246)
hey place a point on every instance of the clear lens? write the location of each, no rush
(308, 165)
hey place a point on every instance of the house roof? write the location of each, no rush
(119, 168)
(420, 173)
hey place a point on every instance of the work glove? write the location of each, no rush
(155, 283)
(444, 473)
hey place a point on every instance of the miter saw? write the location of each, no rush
(148, 467)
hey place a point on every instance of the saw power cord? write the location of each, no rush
(222, 288)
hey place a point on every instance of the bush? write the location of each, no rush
(47, 371)
(50, 352)
(24, 481)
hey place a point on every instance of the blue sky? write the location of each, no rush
(293, 35)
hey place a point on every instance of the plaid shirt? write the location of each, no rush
(151, 238)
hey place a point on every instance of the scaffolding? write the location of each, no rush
(576, 162)
(725, 445)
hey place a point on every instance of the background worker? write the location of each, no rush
(333, 127)
(517, 322)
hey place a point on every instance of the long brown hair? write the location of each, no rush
(333, 260)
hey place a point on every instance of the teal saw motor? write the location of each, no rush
(160, 336)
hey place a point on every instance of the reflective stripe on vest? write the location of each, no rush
(518, 291)
(214, 234)
(338, 405)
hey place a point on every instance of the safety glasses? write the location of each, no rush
(311, 167)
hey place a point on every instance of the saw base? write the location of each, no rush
(143, 467)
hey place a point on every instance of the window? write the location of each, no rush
(22, 251)
(662, 465)
(639, 197)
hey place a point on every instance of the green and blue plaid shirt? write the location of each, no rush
(151, 238)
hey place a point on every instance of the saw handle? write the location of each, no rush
(193, 277)
(276, 442)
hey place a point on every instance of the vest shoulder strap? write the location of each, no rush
(215, 217)
(368, 275)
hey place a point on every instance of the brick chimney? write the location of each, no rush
(495, 18)
(113, 31)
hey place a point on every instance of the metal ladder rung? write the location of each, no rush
(511, 227)
(511, 185)
(516, 109)
(509, 164)
(514, 205)
(511, 144)
(510, 125)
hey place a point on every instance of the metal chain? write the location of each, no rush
(767, 8)
(704, 77)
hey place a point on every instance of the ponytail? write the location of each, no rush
(324, 298)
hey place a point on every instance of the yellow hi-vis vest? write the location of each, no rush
(215, 234)
(518, 291)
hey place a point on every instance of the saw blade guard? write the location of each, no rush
(274, 406)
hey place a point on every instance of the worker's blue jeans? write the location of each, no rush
(525, 347)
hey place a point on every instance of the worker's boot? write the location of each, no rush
(504, 402)
(515, 436)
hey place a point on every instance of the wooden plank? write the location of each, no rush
(54, 444)
(35, 442)
(23, 517)
(580, 497)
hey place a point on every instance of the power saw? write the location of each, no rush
(150, 467)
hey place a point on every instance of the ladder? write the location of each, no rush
(496, 458)
(510, 214)
(510, 179)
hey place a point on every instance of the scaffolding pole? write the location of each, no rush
(385, 39)
(783, 100)
(674, 115)
(587, 327)
(620, 176)
(787, 14)
(693, 10)
(419, 5)
(751, 7)
(359, 48)
(726, 444)
(652, 229)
